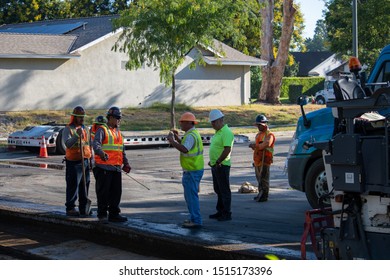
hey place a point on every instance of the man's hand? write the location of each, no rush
(104, 156)
(79, 131)
(126, 168)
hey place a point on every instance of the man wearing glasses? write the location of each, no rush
(110, 159)
(263, 151)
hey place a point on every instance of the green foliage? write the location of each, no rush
(306, 86)
(373, 27)
(255, 81)
(320, 41)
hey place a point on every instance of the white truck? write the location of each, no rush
(30, 138)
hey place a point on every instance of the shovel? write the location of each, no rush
(89, 202)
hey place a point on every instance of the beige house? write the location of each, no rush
(59, 64)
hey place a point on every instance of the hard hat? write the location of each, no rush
(100, 120)
(261, 119)
(188, 117)
(115, 112)
(78, 111)
(215, 115)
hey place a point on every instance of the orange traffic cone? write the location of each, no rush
(43, 150)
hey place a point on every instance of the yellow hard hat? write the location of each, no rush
(188, 117)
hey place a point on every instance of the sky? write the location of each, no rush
(312, 11)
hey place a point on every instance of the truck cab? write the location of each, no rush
(305, 167)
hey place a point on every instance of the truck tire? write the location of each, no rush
(316, 184)
(320, 100)
(60, 145)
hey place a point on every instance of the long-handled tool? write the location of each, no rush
(89, 202)
(260, 186)
(136, 180)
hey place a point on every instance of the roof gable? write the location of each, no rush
(309, 60)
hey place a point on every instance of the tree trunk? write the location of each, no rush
(272, 74)
(173, 122)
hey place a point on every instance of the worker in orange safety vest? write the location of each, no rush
(74, 177)
(263, 151)
(110, 160)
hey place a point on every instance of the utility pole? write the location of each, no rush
(354, 29)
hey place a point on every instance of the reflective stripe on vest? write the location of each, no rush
(74, 153)
(112, 145)
(193, 160)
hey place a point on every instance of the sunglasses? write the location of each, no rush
(118, 118)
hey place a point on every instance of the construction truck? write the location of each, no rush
(356, 225)
(305, 167)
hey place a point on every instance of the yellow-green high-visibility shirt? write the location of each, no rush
(221, 139)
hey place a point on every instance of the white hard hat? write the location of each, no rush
(215, 115)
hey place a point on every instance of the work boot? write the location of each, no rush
(216, 215)
(260, 194)
(72, 213)
(117, 219)
(225, 217)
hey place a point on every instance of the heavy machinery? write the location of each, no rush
(305, 167)
(357, 165)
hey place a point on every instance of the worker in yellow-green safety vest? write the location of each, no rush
(263, 151)
(192, 162)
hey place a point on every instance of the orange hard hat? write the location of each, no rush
(188, 117)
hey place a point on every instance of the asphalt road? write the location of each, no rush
(277, 224)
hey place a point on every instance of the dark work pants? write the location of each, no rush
(221, 186)
(108, 191)
(75, 185)
(262, 176)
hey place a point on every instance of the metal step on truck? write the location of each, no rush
(30, 138)
(305, 167)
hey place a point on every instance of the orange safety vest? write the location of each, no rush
(267, 152)
(74, 153)
(112, 145)
(94, 128)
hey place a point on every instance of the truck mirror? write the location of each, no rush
(302, 100)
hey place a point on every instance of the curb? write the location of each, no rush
(138, 240)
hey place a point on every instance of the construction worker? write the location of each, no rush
(99, 121)
(219, 154)
(192, 162)
(263, 150)
(110, 160)
(74, 177)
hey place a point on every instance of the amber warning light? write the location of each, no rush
(354, 64)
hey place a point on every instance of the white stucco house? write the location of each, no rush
(59, 64)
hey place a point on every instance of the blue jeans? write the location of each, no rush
(191, 182)
(75, 185)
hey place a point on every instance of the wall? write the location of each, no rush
(98, 80)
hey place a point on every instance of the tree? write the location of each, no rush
(373, 27)
(160, 33)
(272, 73)
(320, 41)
